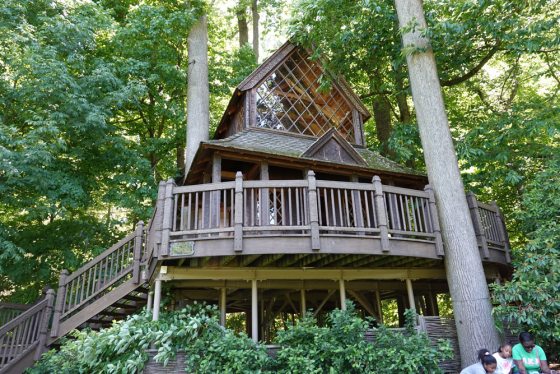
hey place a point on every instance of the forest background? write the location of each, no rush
(93, 116)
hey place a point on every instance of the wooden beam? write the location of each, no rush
(329, 294)
(363, 301)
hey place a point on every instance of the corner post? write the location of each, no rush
(435, 220)
(313, 211)
(502, 230)
(44, 327)
(137, 251)
(167, 218)
(59, 305)
(238, 215)
(381, 213)
(410, 294)
(157, 299)
(254, 312)
(477, 224)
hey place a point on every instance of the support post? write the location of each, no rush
(379, 305)
(435, 220)
(223, 295)
(44, 327)
(410, 293)
(59, 305)
(302, 300)
(313, 211)
(342, 288)
(381, 213)
(167, 218)
(254, 312)
(150, 301)
(238, 217)
(139, 236)
(157, 299)
(477, 224)
(155, 241)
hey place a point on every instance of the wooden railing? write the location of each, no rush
(25, 334)
(9, 311)
(104, 272)
(306, 207)
(489, 227)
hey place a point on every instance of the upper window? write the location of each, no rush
(289, 100)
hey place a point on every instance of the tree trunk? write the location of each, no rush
(242, 26)
(382, 118)
(465, 274)
(197, 91)
(255, 13)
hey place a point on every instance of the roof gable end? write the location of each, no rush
(333, 147)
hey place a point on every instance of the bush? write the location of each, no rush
(337, 347)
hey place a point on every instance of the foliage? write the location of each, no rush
(531, 299)
(340, 347)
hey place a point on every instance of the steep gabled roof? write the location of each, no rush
(275, 75)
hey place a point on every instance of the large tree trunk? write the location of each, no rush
(242, 26)
(382, 118)
(255, 14)
(197, 91)
(465, 275)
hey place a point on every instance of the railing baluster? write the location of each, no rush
(290, 215)
(190, 212)
(196, 225)
(282, 211)
(413, 206)
(368, 218)
(298, 213)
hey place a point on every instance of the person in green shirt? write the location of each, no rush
(528, 357)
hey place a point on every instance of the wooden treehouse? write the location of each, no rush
(284, 211)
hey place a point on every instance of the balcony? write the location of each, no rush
(265, 217)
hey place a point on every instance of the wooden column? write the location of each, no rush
(313, 211)
(435, 220)
(223, 295)
(150, 301)
(410, 293)
(379, 305)
(381, 213)
(238, 215)
(44, 325)
(59, 305)
(303, 305)
(477, 224)
(342, 288)
(157, 299)
(254, 312)
(138, 238)
(167, 218)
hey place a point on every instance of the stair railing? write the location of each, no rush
(25, 334)
(105, 271)
(9, 311)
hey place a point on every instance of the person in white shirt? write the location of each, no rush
(486, 365)
(503, 359)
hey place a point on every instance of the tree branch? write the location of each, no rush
(474, 70)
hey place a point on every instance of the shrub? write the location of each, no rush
(337, 347)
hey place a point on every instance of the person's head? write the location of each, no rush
(527, 341)
(505, 350)
(488, 361)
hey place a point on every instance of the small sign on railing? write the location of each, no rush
(182, 248)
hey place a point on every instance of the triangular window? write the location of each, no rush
(289, 100)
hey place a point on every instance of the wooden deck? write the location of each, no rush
(311, 216)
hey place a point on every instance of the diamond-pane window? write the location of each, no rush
(289, 100)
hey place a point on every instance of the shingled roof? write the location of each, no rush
(290, 145)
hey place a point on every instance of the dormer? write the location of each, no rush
(285, 94)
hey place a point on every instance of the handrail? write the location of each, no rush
(25, 333)
(94, 278)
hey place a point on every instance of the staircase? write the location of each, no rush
(110, 287)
